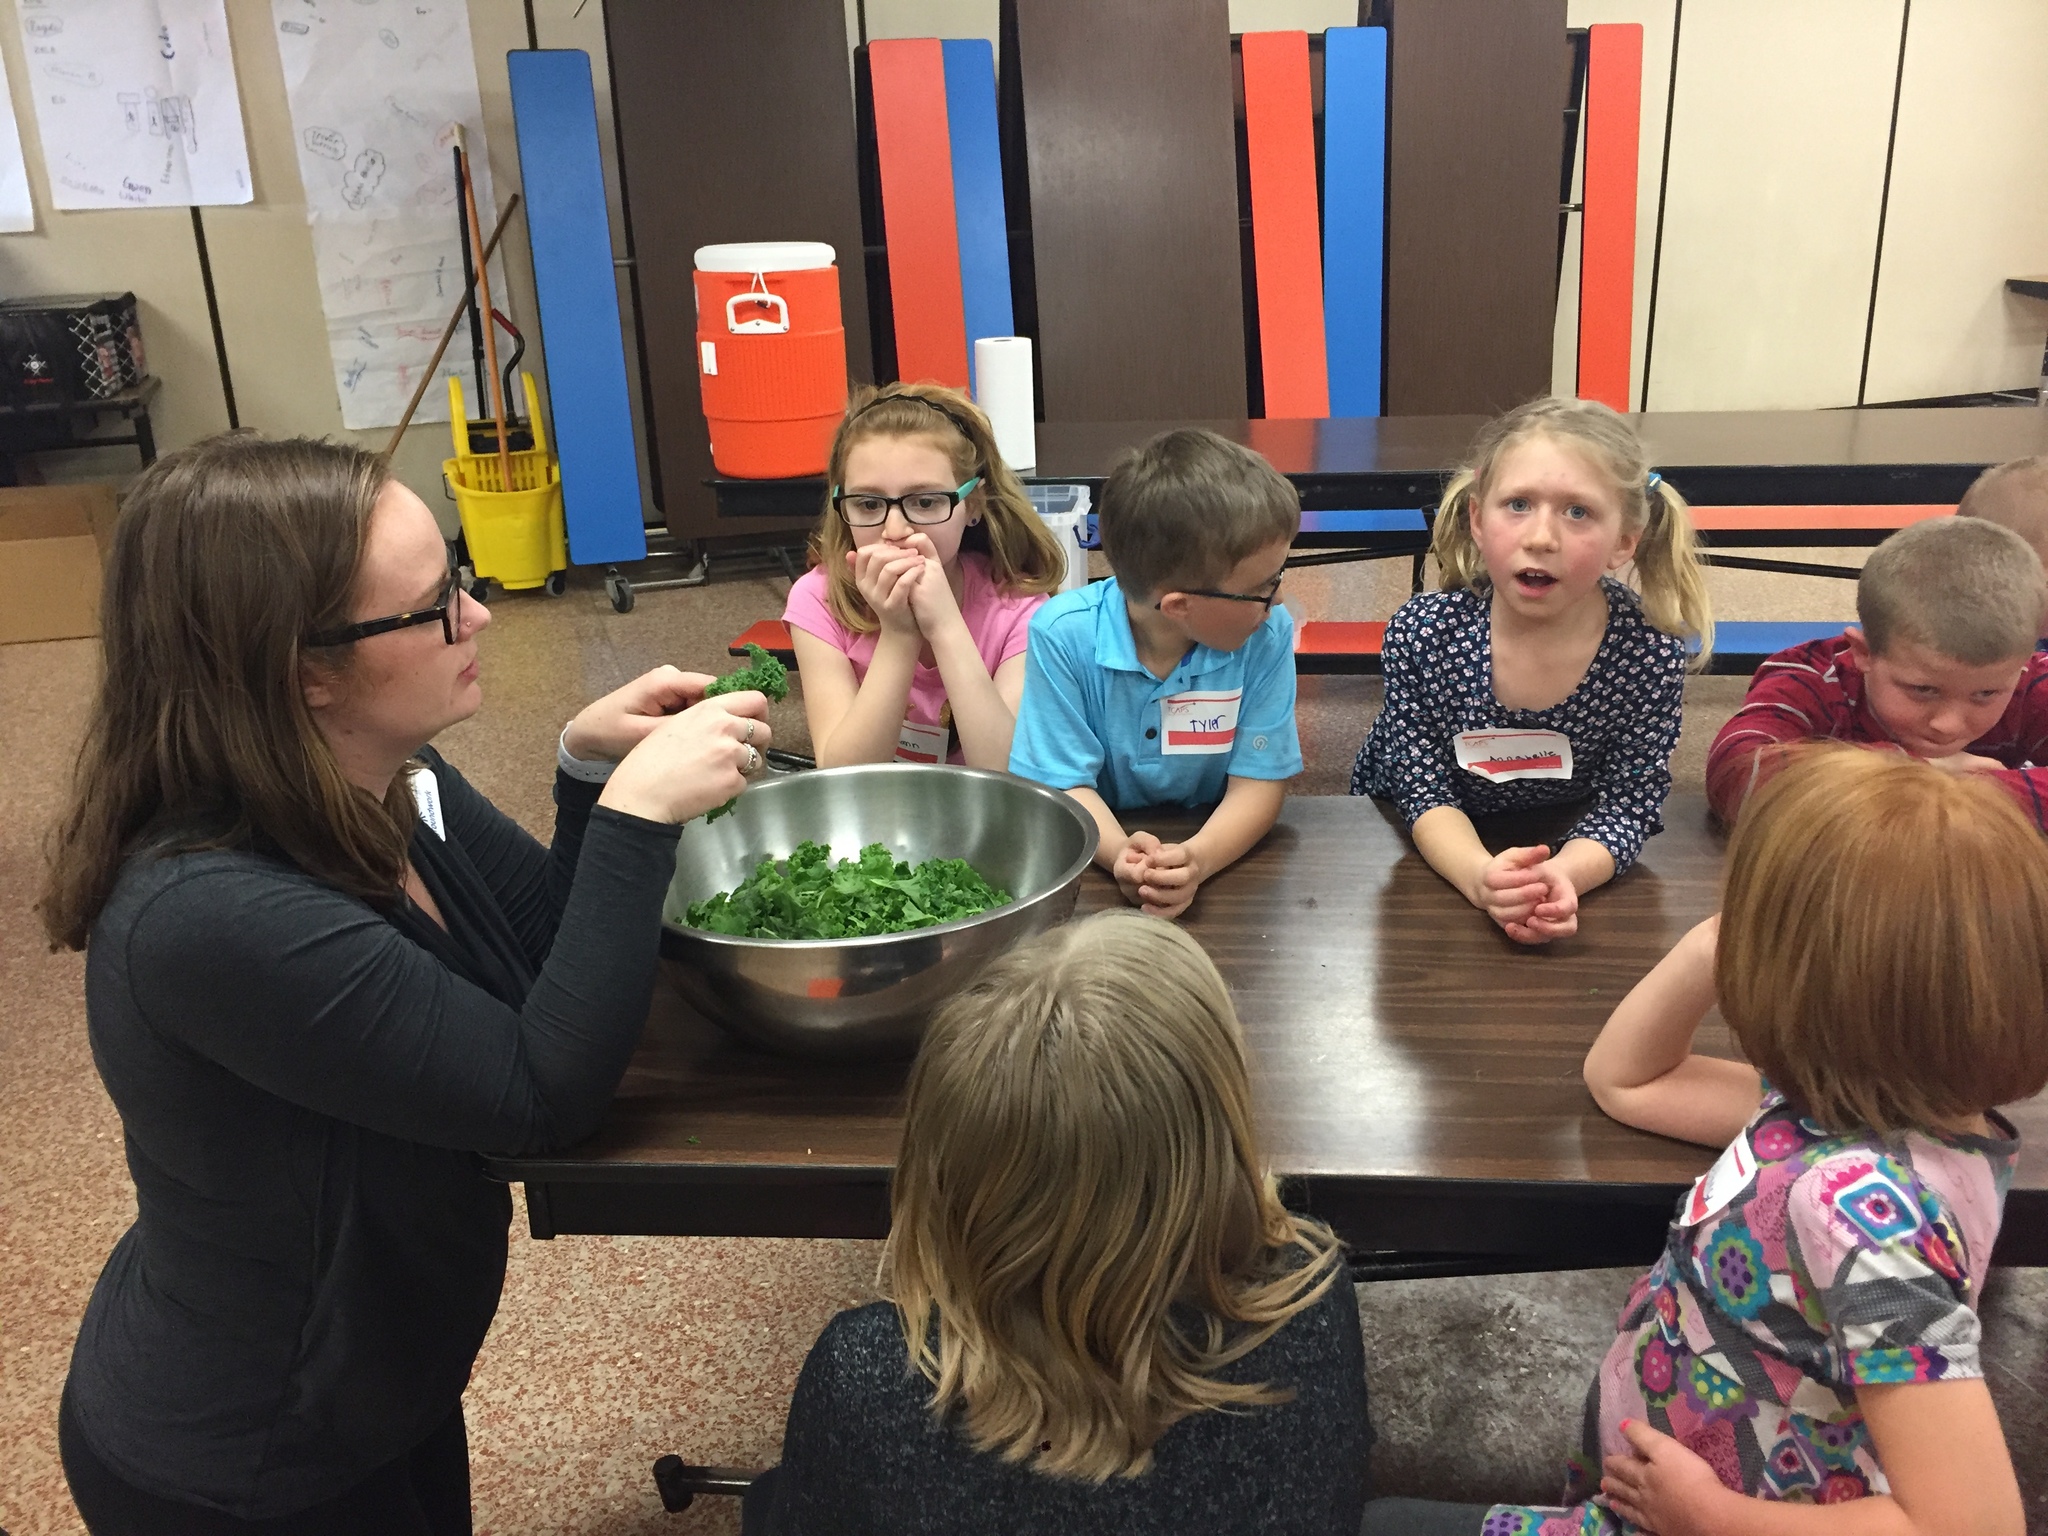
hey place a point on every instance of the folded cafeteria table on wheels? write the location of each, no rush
(1416, 1073)
(1806, 469)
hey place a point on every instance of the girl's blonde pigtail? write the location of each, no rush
(1450, 537)
(1669, 570)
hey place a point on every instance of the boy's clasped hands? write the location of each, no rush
(1159, 878)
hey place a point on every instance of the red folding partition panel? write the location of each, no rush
(1607, 250)
(913, 148)
(1280, 145)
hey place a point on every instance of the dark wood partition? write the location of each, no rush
(735, 123)
(1134, 218)
(1475, 134)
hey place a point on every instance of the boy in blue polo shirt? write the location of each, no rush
(1172, 683)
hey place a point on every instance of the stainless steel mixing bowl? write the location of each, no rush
(870, 997)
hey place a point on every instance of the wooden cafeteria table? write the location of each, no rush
(1416, 1073)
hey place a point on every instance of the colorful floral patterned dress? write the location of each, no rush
(1838, 1260)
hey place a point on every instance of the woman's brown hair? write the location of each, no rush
(226, 556)
(1883, 955)
(1667, 562)
(1023, 555)
(1083, 1231)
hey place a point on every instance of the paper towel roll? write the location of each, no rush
(1002, 388)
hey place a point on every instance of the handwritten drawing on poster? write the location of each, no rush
(136, 102)
(377, 89)
(17, 209)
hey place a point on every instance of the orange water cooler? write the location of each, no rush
(771, 356)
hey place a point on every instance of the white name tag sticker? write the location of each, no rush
(920, 743)
(426, 799)
(1505, 755)
(1729, 1177)
(1195, 723)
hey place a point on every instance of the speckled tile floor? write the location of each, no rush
(608, 1352)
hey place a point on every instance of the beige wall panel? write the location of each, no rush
(933, 18)
(1969, 204)
(1771, 207)
(1654, 16)
(1288, 15)
(148, 250)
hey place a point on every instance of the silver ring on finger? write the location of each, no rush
(753, 761)
(749, 737)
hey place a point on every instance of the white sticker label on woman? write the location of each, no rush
(1504, 755)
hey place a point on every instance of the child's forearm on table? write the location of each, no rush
(1245, 814)
(1110, 834)
(980, 713)
(1642, 1070)
(1586, 864)
(1449, 843)
(869, 730)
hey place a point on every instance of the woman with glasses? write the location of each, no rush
(323, 974)
(927, 566)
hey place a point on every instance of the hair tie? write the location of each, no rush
(1653, 482)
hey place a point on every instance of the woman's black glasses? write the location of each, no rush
(448, 612)
(864, 511)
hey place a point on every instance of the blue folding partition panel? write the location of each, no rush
(978, 190)
(555, 113)
(1354, 214)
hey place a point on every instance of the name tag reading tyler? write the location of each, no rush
(1505, 755)
(1198, 722)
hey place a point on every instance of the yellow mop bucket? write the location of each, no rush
(515, 534)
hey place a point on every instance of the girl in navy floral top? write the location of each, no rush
(1535, 677)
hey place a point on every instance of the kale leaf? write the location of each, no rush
(810, 897)
(762, 671)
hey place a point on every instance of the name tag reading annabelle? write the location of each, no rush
(1194, 723)
(1505, 755)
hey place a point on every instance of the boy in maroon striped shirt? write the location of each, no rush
(1941, 666)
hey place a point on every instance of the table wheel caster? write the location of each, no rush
(679, 1483)
(619, 590)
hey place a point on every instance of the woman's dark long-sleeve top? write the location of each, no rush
(305, 1084)
(864, 1456)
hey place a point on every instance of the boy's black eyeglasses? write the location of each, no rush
(448, 612)
(1263, 599)
(864, 511)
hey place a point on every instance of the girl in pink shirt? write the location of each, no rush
(926, 568)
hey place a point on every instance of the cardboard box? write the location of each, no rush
(52, 540)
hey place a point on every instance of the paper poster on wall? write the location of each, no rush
(376, 89)
(136, 102)
(17, 210)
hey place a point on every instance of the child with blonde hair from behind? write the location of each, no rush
(2014, 495)
(1810, 1335)
(1102, 1319)
(1535, 676)
(911, 625)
